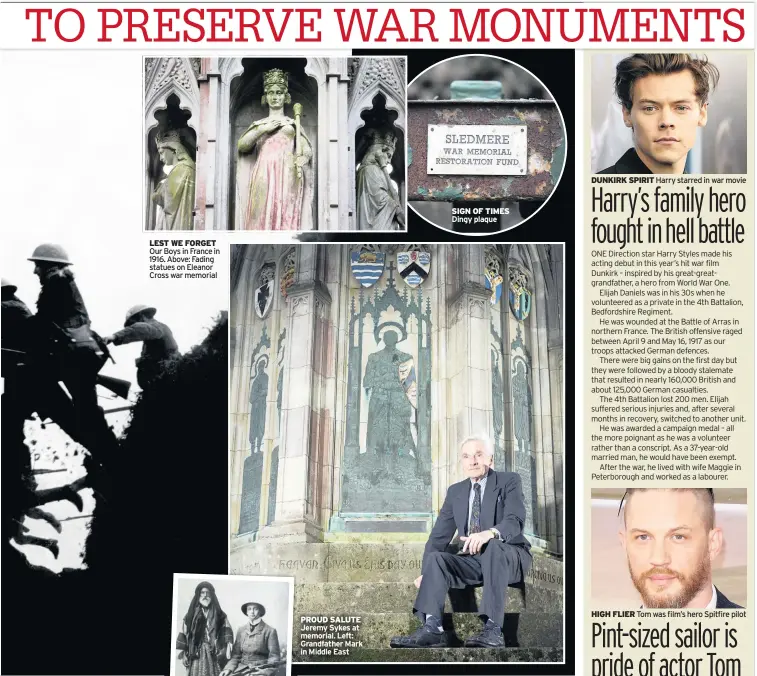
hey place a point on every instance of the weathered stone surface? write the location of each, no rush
(526, 630)
(352, 562)
(379, 597)
(530, 655)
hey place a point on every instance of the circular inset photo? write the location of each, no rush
(487, 144)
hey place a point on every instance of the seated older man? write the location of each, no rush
(488, 512)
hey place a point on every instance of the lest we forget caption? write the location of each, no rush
(183, 259)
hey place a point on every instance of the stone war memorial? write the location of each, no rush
(356, 371)
(275, 143)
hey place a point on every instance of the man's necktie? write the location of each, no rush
(475, 515)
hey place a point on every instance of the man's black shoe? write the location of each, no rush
(490, 637)
(422, 637)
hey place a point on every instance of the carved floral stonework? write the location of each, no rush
(457, 312)
(288, 271)
(476, 308)
(387, 72)
(172, 70)
(492, 261)
(320, 308)
(299, 305)
(521, 297)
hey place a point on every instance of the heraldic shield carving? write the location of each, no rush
(413, 266)
(264, 290)
(367, 266)
(521, 298)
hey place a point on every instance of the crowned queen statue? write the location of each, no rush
(378, 203)
(275, 171)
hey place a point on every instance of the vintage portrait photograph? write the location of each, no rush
(669, 113)
(368, 382)
(669, 547)
(232, 625)
(275, 144)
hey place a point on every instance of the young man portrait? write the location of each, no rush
(671, 539)
(663, 100)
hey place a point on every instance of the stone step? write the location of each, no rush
(315, 562)
(379, 597)
(532, 629)
(440, 655)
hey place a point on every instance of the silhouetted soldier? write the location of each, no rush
(158, 347)
(15, 330)
(17, 406)
(68, 349)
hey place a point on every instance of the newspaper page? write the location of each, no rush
(363, 337)
(669, 363)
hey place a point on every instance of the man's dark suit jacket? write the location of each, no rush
(723, 602)
(630, 163)
(501, 508)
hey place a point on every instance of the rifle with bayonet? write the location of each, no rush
(118, 386)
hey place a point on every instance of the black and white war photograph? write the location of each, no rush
(236, 625)
(113, 408)
(372, 386)
(292, 144)
(86, 376)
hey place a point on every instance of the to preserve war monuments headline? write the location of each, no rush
(572, 25)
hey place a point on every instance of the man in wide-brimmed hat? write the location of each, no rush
(158, 344)
(256, 643)
(206, 634)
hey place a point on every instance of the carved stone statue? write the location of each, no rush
(378, 203)
(390, 392)
(275, 185)
(175, 194)
(522, 408)
(258, 397)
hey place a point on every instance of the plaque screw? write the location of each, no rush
(432, 129)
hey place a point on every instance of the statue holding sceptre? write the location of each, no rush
(279, 192)
(297, 139)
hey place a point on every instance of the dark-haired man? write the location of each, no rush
(206, 635)
(664, 100)
(670, 539)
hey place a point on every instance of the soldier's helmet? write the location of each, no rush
(11, 288)
(136, 309)
(50, 253)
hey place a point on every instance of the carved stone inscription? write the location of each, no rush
(249, 516)
(342, 563)
(478, 149)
